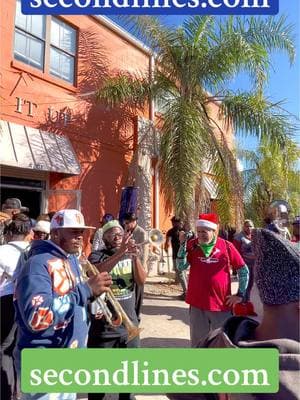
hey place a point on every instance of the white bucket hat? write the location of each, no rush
(68, 219)
(42, 226)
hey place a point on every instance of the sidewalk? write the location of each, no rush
(165, 323)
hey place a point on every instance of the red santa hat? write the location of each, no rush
(210, 221)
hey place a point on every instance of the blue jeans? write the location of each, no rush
(180, 276)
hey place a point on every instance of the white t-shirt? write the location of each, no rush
(9, 257)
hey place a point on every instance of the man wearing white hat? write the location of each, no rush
(41, 230)
(209, 287)
(51, 297)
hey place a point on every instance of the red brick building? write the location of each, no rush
(59, 147)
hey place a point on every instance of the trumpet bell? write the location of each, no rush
(156, 238)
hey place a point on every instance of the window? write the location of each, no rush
(30, 38)
(62, 50)
(38, 36)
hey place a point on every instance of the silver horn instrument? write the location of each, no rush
(155, 238)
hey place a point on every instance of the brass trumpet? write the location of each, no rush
(121, 317)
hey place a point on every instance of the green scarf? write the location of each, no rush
(207, 248)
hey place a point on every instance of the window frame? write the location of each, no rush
(73, 56)
(34, 36)
(45, 70)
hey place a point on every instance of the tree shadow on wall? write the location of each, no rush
(103, 138)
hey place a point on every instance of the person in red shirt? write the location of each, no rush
(209, 288)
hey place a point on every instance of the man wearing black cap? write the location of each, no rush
(13, 206)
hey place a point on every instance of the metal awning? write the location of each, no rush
(25, 147)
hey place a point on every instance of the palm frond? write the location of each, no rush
(251, 114)
(181, 152)
(202, 56)
(273, 34)
(128, 89)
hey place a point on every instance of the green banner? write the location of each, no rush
(150, 370)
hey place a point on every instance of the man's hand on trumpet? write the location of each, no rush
(100, 283)
(133, 249)
(128, 245)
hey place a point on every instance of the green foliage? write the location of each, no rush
(273, 174)
(195, 64)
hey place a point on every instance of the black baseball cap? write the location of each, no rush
(14, 203)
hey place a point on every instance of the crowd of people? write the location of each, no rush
(50, 300)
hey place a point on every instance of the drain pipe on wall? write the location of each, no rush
(156, 172)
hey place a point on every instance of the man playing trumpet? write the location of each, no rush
(50, 295)
(120, 258)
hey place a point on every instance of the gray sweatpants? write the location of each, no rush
(202, 322)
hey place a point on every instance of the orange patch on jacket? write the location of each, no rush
(41, 319)
(62, 277)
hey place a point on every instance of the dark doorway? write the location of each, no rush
(29, 198)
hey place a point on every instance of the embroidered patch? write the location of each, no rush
(62, 277)
(61, 325)
(61, 304)
(59, 219)
(41, 319)
(37, 300)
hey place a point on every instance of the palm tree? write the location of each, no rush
(195, 64)
(272, 174)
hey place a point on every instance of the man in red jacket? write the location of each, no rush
(209, 289)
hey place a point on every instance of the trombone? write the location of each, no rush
(120, 316)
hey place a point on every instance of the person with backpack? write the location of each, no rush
(18, 235)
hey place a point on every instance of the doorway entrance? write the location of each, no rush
(29, 192)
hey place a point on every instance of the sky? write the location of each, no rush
(284, 81)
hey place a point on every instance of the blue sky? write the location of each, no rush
(284, 81)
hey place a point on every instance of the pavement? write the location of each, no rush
(164, 320)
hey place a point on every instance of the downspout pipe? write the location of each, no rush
(156, 171)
